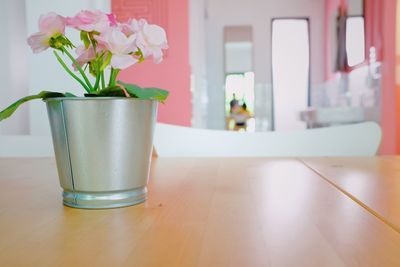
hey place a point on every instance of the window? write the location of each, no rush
(355, 40)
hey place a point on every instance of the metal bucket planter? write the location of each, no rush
(103, 149)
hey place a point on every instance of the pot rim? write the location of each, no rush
(82, 98)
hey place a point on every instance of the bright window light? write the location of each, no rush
(290, 72)
(242, 86)
(355, 41)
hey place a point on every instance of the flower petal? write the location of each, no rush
(155, 35)
(52, 23)
(117, 42)
(38, 42)
(112, 19)
(122, 61)
(89, 21)
(85, 55)
(157, 55)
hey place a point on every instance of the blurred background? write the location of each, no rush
(258, 65)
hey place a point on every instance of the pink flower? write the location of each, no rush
(50, 24)
(151, 39)
(126, 28)
(88, 54)
(120, 45)
(85, 55)
(89, 21)
(112, 19)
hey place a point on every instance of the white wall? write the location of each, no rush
(13, 64)
(45, 73)
(258, 14)
(238, 57)
(23, 72)
(197, 53)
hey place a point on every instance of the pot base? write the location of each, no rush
(104, 200)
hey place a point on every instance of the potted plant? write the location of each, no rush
(103, 140)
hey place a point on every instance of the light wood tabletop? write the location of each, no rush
(374, 182)
(201, 212)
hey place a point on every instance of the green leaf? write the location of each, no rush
(92, 68)
(42, 95)
(85, 38)
(106, 61)
(92, 40)
(58, 41)
(69, 95)
(145, 93)
(110, 91)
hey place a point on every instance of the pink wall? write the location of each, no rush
(380, 25)
(373, 25)
(398, 74)
(173, 73)
(389, 118)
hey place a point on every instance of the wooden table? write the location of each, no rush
(211, 212)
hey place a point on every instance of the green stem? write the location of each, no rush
(93, 41)
(110, 79)
(113, 77)
(78, 67)
(103, 84)
(70, 72)
(96, 85)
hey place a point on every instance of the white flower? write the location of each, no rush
(151, 39)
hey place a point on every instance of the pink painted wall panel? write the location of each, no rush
(398, 74)
(173, 73)
(373, 25)
(398, 116)
(389, 118)
(380, 25)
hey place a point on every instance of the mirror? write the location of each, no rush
(295, 64)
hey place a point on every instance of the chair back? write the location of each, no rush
(360, 139)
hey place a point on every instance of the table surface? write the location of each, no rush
(211, 212)
(372, 182)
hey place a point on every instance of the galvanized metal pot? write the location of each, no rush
(103, 149)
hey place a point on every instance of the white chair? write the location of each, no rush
(360, 139)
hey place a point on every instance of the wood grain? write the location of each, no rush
(374, 182)
(200, 212)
